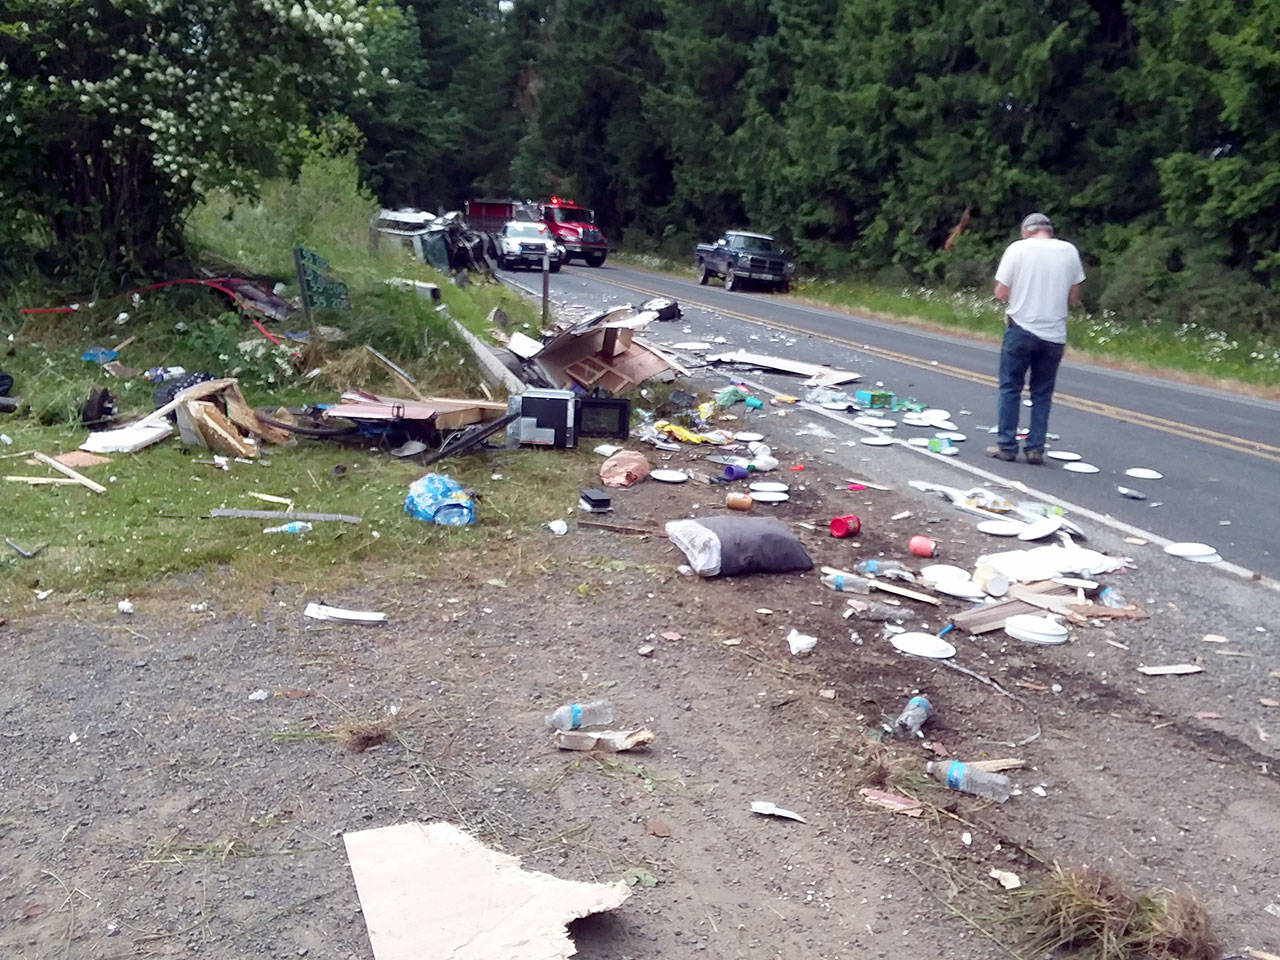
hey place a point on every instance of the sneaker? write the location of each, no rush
(1035, 457)
(997, 454)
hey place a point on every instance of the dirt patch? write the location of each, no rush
(153, 808)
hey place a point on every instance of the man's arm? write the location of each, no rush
(1073, 295)
(1001, 292)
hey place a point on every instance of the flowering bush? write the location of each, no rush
(117, 116)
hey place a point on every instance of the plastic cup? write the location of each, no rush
(846, 526)
(753, 403)
(734, 472)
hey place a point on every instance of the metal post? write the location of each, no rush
(546, 283)
(302, 292)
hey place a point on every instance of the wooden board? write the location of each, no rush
(992, 616)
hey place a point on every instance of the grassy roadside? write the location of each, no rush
(147, 525)
(1239, 360)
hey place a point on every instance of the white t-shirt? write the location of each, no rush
(1040, 272)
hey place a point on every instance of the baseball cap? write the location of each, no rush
(1036, 221)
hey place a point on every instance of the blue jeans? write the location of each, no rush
(1022, 353)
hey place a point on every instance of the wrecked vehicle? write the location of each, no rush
(740, 257)
(572, 226)
(524, 244)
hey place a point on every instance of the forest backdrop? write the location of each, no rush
(861, 132)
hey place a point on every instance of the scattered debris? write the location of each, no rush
(320, 611)
(657, 827)
(430, 890)
(611, 741)
(893, 802)
(733, 545)
(1006, 879)
(624, 468)
(818, 375)
(800, 642)
(768, 808)
(1171, 670)
(125, 607)
(223, 513)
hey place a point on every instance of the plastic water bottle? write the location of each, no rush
(845, 583)
(1111, 597)
(962, 777)
(881, 568)
(913, 717)
(293, 526)
(574, 715)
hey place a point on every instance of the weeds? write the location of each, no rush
(357, 736)
(1099, 917)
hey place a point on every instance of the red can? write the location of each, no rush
(921, 546)
(847, 526)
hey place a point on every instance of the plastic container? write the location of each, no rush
(962, 777)
(572, 716)
(845, 584)
(922, 546)
(913, 716)
(293, 526)
(1111, 597)
(879, 568)
(846, 526)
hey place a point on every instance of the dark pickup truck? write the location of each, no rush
(741, 258)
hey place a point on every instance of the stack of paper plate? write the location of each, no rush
(1002, 528)
(878, 440)
(1033, 628)
(962, 587)
(747, 436)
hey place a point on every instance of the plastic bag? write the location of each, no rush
(624, 468)
(440, 500)
(730, 545)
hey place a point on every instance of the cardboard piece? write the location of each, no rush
(893, 802)
(611, 741)
(320, 611)
(129, 439)
(62, 468)
(444, 412)
(430, 890)
(602, 354)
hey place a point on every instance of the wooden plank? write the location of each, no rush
(224, 513)
(619, 528)
(44, 481)
(62, 468)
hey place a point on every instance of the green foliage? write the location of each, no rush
(116, 118)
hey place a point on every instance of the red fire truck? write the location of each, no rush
(574, 227)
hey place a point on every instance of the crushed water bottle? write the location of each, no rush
(293, 526)
(962, 777)
(884, 568)
(1111, 597)
(845, 583)
(913, 716)
(571, 716)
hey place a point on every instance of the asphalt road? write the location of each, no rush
(1219, 452)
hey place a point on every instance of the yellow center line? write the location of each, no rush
(1226, 441)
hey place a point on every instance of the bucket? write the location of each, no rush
(846, 526)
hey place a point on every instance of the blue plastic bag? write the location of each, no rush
(440, 500)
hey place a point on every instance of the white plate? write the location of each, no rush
(942, 424)
(1079, 466)
(1144, 473)
(915, 420)
(880, 440)
(769, 496)
(1074, 582)
(836, 405)
(874, 422)
(691, 345)
(923, 645)
(748, 437)
(1062, 455)
(951, 435)
(669, 476)
(1208, 558)
(1031, 628)
(949, 451)
(936, 572)
(1040, 528)
(935, 413)
(1189, 549)
(1002, 528)
(961, 587)
(769, 486)
(918, 441)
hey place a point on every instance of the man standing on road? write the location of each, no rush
(1039, 278)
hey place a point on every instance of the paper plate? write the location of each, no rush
(923, 645)
(935, 413)
(836, 405)
(769, 486)
(1189, 549)
(769, 496)
(1040, 528)
(962, 587)
(935, 572)
(1144, 473)
(951, 435)
(874, 422)
(669, 476)
(1079, 466)
(748, 437)
(942, 424)
(949, 452)
(919, 441)
(880, 440)
(1002, 528)
(1074, 582)
(1207, 558)
(1062, 455)
(915, 420)
(1032, 628)
(691, 345)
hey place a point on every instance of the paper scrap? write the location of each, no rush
(431, 890)
(1010, 881)
(319, 611)
(612, 741)
(768, 808)
(1171, 670)
(893, 802)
